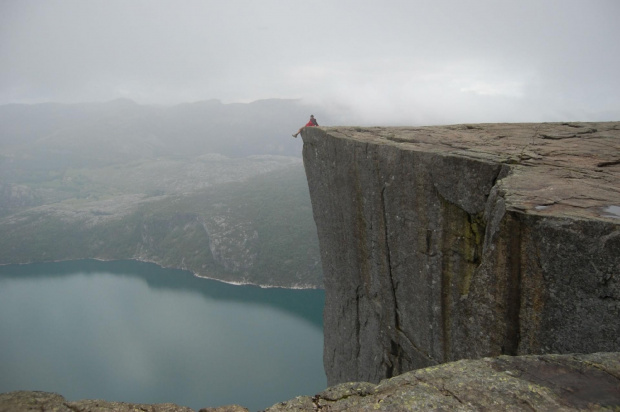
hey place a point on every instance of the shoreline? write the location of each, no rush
(235, 283)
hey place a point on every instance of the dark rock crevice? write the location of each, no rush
(513, 289)
(395, 351)
(568, 135)
(610, 163)
(71, 407)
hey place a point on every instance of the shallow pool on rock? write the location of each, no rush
(612, 211)
(134, 332)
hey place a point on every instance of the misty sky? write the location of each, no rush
(364, 62)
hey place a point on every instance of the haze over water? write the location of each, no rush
(134, 332)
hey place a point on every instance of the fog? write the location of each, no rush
(362, 62)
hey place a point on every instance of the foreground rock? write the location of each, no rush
(444, 243)
(44, 401)
(524, 383)
(529, 383)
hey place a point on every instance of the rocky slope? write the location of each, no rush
(258, 230)
(466, 241)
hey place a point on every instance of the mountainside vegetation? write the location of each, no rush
(205, 187)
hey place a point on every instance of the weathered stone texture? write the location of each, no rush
(23, 401)
(527, 383)
(444, 243)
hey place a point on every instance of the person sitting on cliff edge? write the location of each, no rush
(311, 123)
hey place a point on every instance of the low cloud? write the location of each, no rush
(398, 62)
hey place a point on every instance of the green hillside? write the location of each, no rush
(257, 231)
(124, 181)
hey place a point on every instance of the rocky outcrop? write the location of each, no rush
(44, 401)
(467, 241)
(233, 244)
(521, 383)
(528, 383)
(22, 401)
(14, 197)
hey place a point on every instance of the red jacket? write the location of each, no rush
(312, 122)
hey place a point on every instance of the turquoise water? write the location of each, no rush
(133, 332)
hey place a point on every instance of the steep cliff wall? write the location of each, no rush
(443, 243)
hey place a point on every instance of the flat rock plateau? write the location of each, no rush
(558, 169)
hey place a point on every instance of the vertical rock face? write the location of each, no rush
(443, 243)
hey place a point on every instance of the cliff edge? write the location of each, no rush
(465, 241)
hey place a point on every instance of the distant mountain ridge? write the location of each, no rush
(122, 129)
(218, 189)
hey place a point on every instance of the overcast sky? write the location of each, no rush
(370, 62)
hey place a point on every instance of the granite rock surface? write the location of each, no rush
(527, 383)
(23, 401)
(465, 241)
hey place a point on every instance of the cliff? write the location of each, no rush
(466, 241)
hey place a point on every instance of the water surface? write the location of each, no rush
(612, 211)
(134, 332)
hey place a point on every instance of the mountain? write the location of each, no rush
(214, 188)
(258, 231)
(105, 133)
